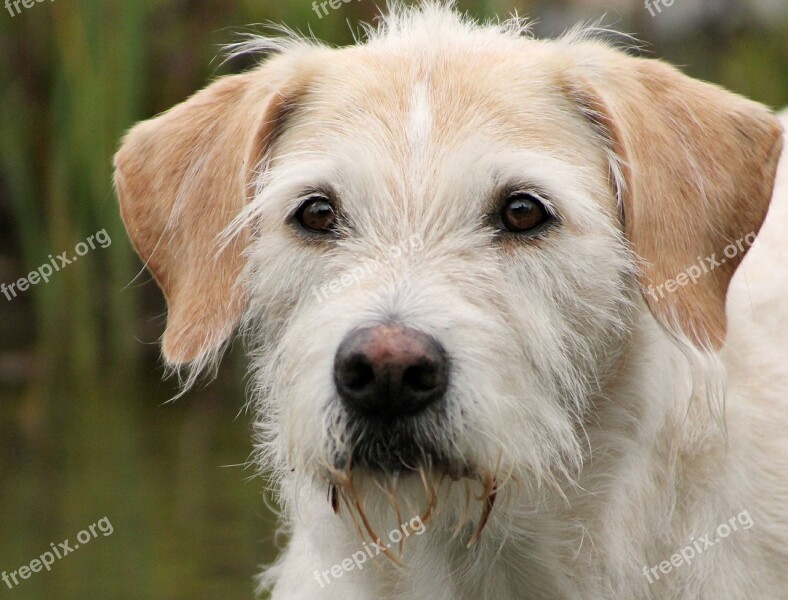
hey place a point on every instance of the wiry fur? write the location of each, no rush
(578, 424)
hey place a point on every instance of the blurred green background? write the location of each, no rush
(84, 428)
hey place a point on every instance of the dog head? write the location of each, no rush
(440, 241)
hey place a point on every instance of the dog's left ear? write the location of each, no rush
(181, 179)
(698, 166)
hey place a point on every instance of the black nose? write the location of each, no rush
(390, 370)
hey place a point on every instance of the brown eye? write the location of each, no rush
(317, 215)
(522, 212)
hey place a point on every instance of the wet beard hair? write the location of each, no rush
(344, 494)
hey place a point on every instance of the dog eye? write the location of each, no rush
(317, 215)
(522, 212)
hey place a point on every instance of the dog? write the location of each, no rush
(483, 282)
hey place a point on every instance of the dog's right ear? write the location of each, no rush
(181, 178)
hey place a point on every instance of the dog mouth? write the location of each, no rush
(393, 448)
(389, 453)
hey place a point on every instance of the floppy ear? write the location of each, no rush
(181, 178)
(698, 166)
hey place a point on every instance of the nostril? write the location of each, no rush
(423, 377)
(357, 374)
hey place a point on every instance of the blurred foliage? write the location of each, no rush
(82, 430)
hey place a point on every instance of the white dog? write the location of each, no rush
(483, 278)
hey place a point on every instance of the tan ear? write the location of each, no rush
(181, 178)
(698, 166)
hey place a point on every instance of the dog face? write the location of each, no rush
(424, 184)
(437, 241)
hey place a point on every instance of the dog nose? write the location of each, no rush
(390, 371)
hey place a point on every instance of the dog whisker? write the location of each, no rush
(390, 491)
(488, 500)
(356, 511)
(374, 537)
(432, 498)
(351, 512)
(393, 484)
